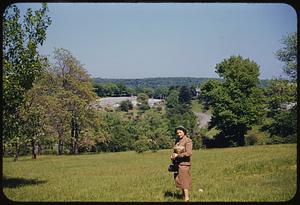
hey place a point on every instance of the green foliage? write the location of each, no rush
(288, 55)
(179, 112)
(250, 139)
(142, 145)
(126, 105)
(154, 125)
(160, 93)
(172, 99)
(185, 95)
(112, 89)
(154, 82)
(285, 124)
(142, 100)
(119, 139)
(281, 95)
(209, 92)
(22, 65)
(278, 93)
(197, 140)
(237, 102)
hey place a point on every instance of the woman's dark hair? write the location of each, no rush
(181, 128)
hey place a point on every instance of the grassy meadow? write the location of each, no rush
(264, 173)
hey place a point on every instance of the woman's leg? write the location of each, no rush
(186, 194)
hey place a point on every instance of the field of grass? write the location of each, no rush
(264, 173)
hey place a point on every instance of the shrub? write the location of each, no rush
(250, 139)
(126, 105)
(153, 146)
(49, 151)
(141, 145)
(164, 142)
(197, 141)
(275, 139)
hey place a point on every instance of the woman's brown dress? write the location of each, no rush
(183, 177)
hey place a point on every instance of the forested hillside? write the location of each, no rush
(160, 81)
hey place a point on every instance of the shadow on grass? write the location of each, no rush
(9, 182)
(174, 195)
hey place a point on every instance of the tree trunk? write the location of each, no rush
(76, 139)
(34, 149)
(74, 136)
(17, 152)
(60, 146)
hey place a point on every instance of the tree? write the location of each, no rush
(172, 99)
(77, 93)
(119, 138)
(126, 105)
(288, 55)
(208, 92)
(141, 145)
(22, 64)
(282, 93)
(142, 100)
(154, 125)
(237, 102)
(185, 95)
(160, 92)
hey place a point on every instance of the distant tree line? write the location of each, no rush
(120, 90)
(154, 87)
(153, 82)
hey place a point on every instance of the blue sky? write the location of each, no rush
(140, 40)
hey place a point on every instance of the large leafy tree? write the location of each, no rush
(22, 64)
(282, 93)
(288, 55)
(236, 101)
(76, 93)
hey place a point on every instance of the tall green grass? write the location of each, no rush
(256, 173)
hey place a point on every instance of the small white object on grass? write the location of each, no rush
(201, 190)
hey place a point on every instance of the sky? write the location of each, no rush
(142, 40)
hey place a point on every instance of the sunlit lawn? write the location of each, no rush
(256, 173)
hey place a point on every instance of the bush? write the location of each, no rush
(153, 146)
(141, 145)
(126, 105)
(164, 142)
(197, 141)
(49, 151)
(275, 139)
(250, 139)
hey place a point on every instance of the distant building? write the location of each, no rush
(198, 91)
(115, 102)
(289, 105)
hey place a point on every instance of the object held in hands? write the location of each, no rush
(173, 168)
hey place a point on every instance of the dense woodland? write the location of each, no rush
(47, 106)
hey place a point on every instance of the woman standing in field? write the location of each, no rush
(183, 177)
